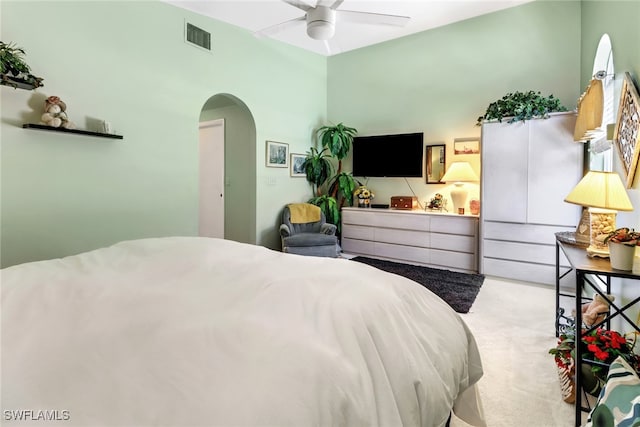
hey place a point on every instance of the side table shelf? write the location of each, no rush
(593, 274)
(75, 131)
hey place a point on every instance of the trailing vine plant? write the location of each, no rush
(521, 106)
(14, 67)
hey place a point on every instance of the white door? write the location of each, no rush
(211, 212)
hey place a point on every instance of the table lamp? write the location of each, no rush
(604, 194)
(459, 173)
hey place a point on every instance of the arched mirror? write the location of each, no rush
(600, 157)
(436, 160)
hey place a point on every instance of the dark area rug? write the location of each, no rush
(459, 290)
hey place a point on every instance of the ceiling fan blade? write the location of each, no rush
(274, 29)
(373, 18)
(336, 4)
(299, 4)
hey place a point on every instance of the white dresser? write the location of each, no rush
(527, 170)
(415, 237)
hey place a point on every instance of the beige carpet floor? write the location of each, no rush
(514, 327)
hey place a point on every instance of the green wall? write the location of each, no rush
(618, 19)
(439, 81)
(127, 63)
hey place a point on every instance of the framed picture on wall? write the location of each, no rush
(277, 154)
(296, 165)
(466, 146)
(627, 131)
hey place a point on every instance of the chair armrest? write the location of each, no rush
(284, 230)
(327, 228)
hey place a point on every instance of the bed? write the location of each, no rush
(182, 331)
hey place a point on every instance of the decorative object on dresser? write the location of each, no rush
(438, 240)
(459, 173)
(364, 196)
(459, 290)
(404, 202)
(527, 170)
(627, 130)
(604, 194)
(437, 203)
(474, 206)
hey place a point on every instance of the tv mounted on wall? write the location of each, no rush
(388, 155)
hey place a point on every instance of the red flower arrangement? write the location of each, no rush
(600, 345)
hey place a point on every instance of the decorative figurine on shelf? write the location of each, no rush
(55, 113)
(437, 203)
(364, 196)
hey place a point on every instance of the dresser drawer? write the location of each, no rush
(526, 272)
(357, 232)
(526, 233)
(454, 242)
(400, 252)
(464, 225)
(403, 237)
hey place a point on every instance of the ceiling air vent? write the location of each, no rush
(198, 36)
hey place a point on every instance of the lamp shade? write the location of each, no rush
(460, 172)
(600, 190)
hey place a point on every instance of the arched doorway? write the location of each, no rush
(239, 178)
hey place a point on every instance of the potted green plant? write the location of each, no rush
(317, 168)
(14, 71)
(521, 106)
(329, 207)
(338, 140)
(343, 186)
(622, 247)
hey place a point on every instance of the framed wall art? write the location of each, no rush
(277, 154)
(626, 136)
(466, 146)
(296, 165)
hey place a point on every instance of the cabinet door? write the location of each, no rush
(504, 171)
(555, 167)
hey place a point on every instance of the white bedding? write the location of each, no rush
(196, 331)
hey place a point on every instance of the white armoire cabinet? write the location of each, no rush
(527, 170)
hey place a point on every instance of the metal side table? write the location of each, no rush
(591, 273)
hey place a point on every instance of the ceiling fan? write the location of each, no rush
(321, 19)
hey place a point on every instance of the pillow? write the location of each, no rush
(619, 402)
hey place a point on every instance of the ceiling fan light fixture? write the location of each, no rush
(319, 30)
(321, 23)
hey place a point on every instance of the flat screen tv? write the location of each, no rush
(388, 155)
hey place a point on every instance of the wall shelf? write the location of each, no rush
(19, 84)
(76, 131)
